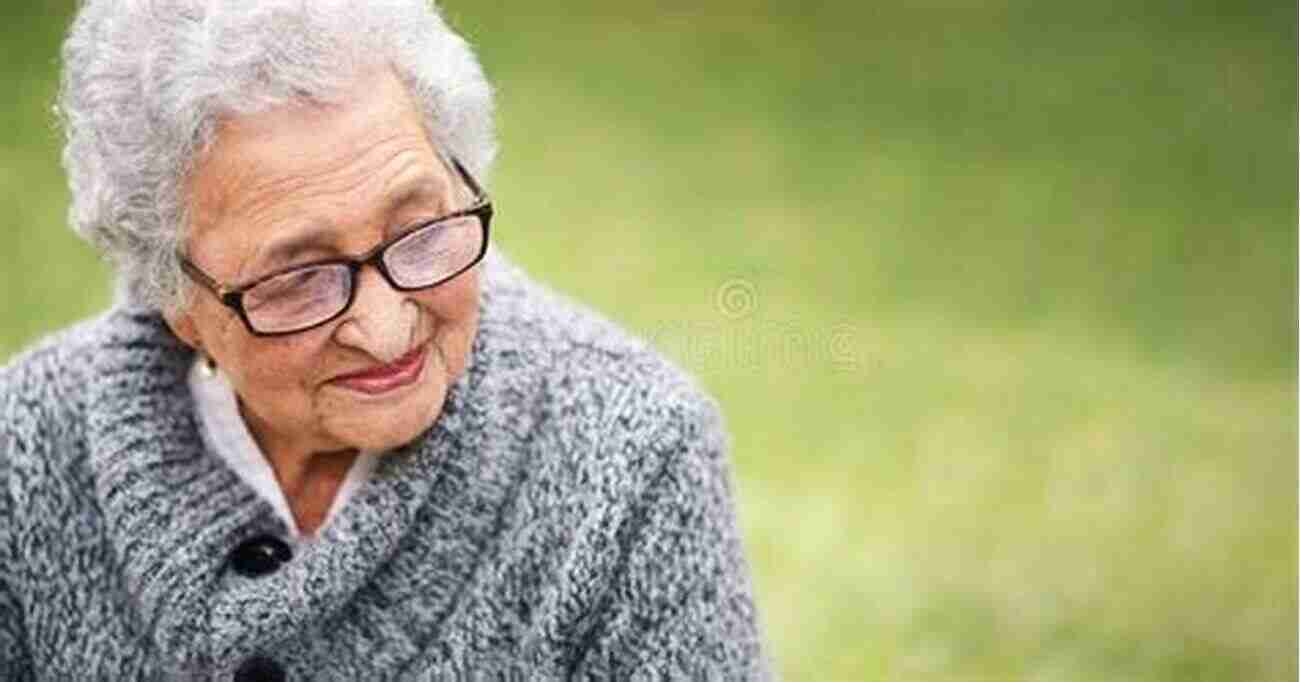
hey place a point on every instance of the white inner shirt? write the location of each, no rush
(225, 433)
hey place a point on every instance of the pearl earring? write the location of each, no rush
(208, 366)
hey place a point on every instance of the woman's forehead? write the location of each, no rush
(290, 240)
(276, 181)
(369, 127)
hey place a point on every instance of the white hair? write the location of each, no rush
(145, 83)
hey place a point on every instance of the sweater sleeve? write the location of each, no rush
(15, 660)
(681, 605)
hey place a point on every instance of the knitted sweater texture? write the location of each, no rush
(569, 515)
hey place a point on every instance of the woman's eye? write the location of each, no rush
(426, 236)
(283, 283)
(305, 277)
(288, 287)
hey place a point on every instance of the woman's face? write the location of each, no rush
(333, 181)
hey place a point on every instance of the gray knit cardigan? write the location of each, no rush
(568, 516)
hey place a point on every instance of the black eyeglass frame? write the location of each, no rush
(233, 296)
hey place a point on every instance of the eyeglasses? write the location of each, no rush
(306, 296)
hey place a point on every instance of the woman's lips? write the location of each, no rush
(385, 378)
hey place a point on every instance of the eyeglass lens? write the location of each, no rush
(307, 296)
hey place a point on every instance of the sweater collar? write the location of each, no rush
(225, 433)
(174, 512)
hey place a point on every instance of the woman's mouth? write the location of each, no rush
(384, 378)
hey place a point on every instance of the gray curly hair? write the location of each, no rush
(145, 83)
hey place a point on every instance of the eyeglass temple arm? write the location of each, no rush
(469, 179)
(202, 277)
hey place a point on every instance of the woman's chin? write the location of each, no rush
(377, 422)
(376, 426)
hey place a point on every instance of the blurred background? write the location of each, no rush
(999, 299)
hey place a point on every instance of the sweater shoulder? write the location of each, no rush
(627, 409)
(41, 409)
(39, 378)
(587, 355)
(50, 370)
(43, 389)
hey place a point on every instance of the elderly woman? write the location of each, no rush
(329, 432)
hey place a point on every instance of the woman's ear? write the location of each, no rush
(182, 325)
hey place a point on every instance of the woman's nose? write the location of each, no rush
(381, 321)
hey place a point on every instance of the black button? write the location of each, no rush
(260, 555)
(260, 669)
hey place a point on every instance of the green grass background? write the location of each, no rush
(999, 299)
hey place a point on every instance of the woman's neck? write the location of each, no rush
(310, 488)
(309, 477)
